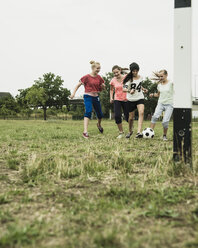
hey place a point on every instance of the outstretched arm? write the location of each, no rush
(155, 94)
(76, 88)
(111, 94)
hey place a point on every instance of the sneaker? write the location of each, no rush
(120, 136)
(129, 135)
(100, 129)
(164, 138)
(139, 136)
(86, 135)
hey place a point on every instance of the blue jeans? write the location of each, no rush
(167, 109)
(90, 102)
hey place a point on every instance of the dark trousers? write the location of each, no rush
(120, 106)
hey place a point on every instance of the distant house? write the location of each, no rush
(4, 94)
(77, 101)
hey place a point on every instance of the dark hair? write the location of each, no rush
(116, 67)
(133, 66)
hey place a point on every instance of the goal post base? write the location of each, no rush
(182, 135)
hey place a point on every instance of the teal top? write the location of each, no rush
(166, 93)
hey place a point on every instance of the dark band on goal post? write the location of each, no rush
(182, 115)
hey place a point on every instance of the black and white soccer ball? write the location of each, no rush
(148, 133)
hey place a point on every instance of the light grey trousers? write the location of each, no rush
(167, 109)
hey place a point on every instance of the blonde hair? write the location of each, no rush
(156, 75)
(94, 63)
(164, 71)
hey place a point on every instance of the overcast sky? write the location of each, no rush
(62, 36)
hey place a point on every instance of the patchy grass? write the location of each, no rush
(59, 190)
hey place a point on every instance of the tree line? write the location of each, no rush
(48, 94)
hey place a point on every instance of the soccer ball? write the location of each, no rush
(148, 133)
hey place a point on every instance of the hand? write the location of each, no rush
(111, 100)
(72, 96)
(151, 95)
(132, 91)
(145, 90)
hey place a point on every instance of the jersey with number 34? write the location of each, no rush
(137, 86)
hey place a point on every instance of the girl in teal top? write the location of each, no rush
(165, 102)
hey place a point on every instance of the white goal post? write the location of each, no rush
(182, 140)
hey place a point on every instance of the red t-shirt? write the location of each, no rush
(92, 84)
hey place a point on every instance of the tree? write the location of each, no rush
(51, 93)
(104, 95)
(150, 103)
(8, 106)
(65, 98)
(46, 92)
(36, 96)
(23, 103)
(21, 100)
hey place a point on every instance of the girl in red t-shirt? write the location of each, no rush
(119, 99)
(93, 84)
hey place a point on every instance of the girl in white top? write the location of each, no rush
(133, 87)
(165, 102)
(136, 88)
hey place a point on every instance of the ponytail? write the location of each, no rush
(128, 77)
(94, 63)
(122, 70)
(156, 75)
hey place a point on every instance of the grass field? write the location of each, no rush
(59, 190)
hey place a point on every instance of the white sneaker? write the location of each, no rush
(120, 136)
(164, 138)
